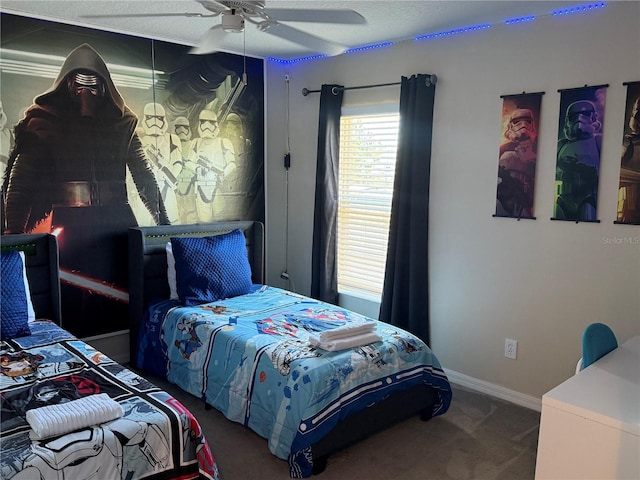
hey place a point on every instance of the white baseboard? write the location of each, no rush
(494, 390)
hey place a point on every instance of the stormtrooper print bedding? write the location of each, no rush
(251, 357)
(153, 436)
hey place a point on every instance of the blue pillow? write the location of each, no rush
(211, 268)
(13, 304)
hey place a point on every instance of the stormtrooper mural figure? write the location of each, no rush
(164, 150)
(212, 159)
(242, 182)
(185, 196)
(517, 164)
(182, 129)
(233, 129)
(578, 163)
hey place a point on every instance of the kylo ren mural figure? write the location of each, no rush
(104, 132)
(67, 175)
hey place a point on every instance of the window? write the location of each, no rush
(368, 144)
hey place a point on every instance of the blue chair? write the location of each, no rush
(597, 340)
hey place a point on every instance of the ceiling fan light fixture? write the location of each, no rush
(232, 23)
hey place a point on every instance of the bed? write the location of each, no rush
(256, 353)
(67, 410)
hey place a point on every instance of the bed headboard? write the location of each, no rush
(148, 262)
(42, 263)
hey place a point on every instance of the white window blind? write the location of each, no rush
(368, 145)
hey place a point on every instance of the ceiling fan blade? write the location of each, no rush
(210, 42)
(344, 16)
(294, 35)
(213, 6)
(133, 15)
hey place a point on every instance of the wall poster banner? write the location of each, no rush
(629, 190)
(518, 155)
(578, 155)
(104, 131)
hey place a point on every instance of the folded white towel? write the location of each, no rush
(346, 342)
(65, 417)
(348, 330)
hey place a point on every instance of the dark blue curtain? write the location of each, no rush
(324, 280)
(405, 301)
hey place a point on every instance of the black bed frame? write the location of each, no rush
(148, 263)
(42, 263)
(148, 280)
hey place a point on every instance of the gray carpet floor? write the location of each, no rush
(480, 437)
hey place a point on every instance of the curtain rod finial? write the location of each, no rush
(305, 92)
(431, 80)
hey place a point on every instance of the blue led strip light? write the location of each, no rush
(296, 60)
(369, 47)
(511, 21)
(456, 31)
(578, 9)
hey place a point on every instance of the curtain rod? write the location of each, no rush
(430, 79)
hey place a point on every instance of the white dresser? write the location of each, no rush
(590, 424)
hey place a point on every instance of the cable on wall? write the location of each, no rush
(287, 164)
(244, 57)
(155, 102)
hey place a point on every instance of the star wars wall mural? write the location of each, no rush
(518, 155)
(104, 131)
(578, 155)
(629, 190)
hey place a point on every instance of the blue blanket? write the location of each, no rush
(250, 357)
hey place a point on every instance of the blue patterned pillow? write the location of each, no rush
(211, 268)
(13, 297)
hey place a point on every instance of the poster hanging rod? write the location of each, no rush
(523, 93)
(430, 79)
(586, 86)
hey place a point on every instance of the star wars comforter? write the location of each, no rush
(155, 438)
(250, 357)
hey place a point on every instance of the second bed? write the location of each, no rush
(275, 361)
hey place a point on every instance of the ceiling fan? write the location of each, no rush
(234, 14)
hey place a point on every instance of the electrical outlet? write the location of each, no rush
(510, 348)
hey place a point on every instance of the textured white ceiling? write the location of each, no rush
(386, 20)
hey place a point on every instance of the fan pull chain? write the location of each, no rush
(244, 57)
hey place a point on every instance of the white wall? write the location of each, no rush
(537, 281)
